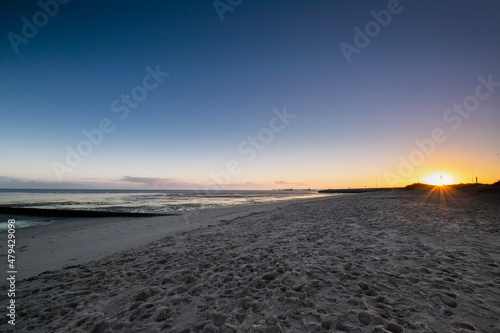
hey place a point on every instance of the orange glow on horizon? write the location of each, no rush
(438, 179)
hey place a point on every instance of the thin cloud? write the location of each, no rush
(282, 182)
(126, 182)
(20, 183)
(153, 182)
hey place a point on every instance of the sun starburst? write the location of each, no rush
(438, 179)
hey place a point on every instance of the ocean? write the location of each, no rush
(135, 201)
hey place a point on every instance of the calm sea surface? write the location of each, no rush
(145, 201)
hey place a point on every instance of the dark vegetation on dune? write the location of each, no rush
(469, 187)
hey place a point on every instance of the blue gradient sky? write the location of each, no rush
(355, 122)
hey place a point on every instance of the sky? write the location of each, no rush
(235, 94)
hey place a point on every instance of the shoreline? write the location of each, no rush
(46, 210)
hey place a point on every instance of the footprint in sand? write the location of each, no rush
(466, 326)
(447, 300)
(364, 318)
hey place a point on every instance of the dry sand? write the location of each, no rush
(375, 262)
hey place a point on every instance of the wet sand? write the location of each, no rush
(398, 261)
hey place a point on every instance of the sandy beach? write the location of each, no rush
(396, 261)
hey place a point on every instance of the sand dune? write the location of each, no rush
(375, 262)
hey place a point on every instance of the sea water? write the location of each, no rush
(136, 201)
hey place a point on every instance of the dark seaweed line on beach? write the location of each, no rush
(73, 213)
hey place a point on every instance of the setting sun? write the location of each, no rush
(438, 179)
